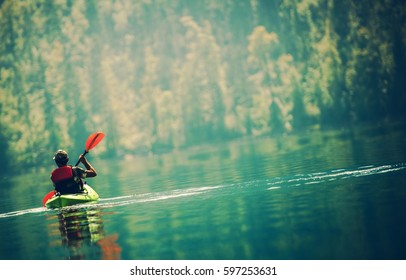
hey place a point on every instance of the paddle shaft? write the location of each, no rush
(79, 159)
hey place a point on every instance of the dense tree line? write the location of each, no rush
(160, 75)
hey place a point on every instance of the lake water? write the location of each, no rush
(319, 195)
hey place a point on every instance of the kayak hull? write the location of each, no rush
(89, 195)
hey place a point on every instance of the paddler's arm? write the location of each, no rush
(90, 171)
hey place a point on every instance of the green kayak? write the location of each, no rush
(88, 195)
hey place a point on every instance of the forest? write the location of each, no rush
(163, 75)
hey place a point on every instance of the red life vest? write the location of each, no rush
(66, 181)
(61, 174)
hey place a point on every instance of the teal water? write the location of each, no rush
(319, 195)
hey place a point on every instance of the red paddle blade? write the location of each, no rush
(47, 196)
(93, 140)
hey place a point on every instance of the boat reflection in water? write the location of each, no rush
(84, 237)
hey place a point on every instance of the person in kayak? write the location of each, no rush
(67, 178)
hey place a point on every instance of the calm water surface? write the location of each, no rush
(321, 195)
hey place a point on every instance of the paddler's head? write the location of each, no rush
(61, 157)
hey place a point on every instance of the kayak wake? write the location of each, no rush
(118, 201)
(333, 175)
(266, 184)
(23, 212)
(151, 197)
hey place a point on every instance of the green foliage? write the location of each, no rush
(158, 75)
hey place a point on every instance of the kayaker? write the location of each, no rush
(67, 178)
